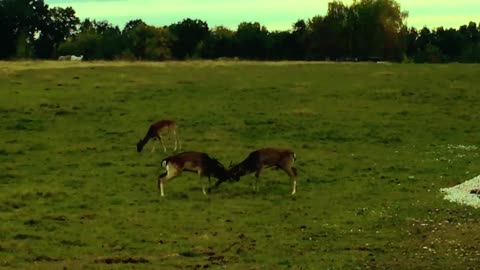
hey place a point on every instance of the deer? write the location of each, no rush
(257, 160)
(65, 57)
(76, 58)
(156, 130)
(191, 161)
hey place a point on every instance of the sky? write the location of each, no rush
(274, 14)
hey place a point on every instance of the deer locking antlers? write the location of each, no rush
(206, 166)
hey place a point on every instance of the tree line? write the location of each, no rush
(364, 30)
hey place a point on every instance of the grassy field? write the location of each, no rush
(374, 144)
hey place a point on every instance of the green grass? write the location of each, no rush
(373, 142)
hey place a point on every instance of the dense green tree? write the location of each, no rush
(448, 41)
(251, 40)
(187, 36)
(135, 36)
(316, 36)
(86, 43)
(336, 26)
(20, 22)
(112, 42)
(299, 40)
(147, 42)
(158, 45)
(376, 26)
(60, 24)
(219, 43)
(410, 41)
(95, 40)
(280, 45)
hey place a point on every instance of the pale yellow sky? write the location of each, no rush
(276, 15)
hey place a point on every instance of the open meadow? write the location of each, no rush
(374, 145)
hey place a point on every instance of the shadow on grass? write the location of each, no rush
(25, 124)
(22, 236)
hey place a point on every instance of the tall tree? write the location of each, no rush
(219, 43)
(251, 40)
(95, 40)
(61, 24)
(132, 24)
(316, 37)
(159, 43)
(187, 35)
(147, 42)
(280, 45)
(20, 22)
(337, 26)
(300, 40)
(376, 28)
(448, 41)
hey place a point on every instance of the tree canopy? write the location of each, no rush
(365, 30)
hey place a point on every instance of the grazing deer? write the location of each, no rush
(263, 158)
(156, 130)
(191, 161)
(65, 57)
(76, 58)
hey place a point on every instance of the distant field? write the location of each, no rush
(374, 144)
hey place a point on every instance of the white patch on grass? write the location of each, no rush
(462, 147)
(461, 193)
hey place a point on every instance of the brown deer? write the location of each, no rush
(263, 158)
(191, 161)
(156, 130)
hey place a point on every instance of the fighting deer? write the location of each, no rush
(264, 158)
(191, 161)
(156, 130)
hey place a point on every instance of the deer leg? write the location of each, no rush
(200, 174)
(256, 188)
(294, 189)
(292, 173)
(294, 170)
(161, 141)
(217, 183)
(204, 190)
(175, 139)
(209, 186)
(179, 142)
(160, 181)
(153, 145)
(165, 177)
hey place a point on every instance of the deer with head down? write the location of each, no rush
(191, 161)
(257, 160)
(156, 130)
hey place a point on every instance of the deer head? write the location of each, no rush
(140, 145)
